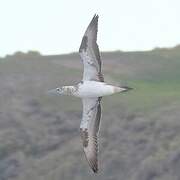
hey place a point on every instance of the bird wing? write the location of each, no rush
(89, 53)
(89, 130)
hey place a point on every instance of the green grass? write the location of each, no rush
(147, 96)
(152, 87)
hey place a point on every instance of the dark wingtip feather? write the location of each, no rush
(93, 165)
(94, 20)
(95, 170)
(92, 32)
(96, 16)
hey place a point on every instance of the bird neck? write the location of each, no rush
(69, 90)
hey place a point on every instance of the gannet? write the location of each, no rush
(91, 90)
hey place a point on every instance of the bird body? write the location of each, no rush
(91, 90)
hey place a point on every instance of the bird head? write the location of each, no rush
(56, 91)
(64, 90)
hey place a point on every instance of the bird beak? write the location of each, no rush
(52, 92)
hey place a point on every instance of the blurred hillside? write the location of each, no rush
(140, 130)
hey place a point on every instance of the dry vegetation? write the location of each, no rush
(140, 130)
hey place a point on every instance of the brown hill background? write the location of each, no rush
(140, 130)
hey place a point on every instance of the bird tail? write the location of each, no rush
(126, 88)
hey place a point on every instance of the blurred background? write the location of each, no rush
(140, 129)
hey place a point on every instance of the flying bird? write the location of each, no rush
(91, 90)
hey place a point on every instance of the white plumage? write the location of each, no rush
(94, 89)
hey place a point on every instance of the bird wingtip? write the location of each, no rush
(95, 170)
(96, 15)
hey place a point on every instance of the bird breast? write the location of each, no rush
(90, 89)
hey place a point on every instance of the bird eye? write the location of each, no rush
(58, 89)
